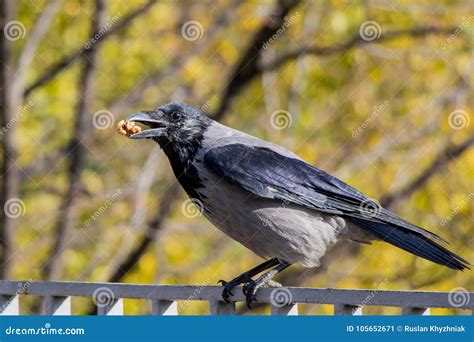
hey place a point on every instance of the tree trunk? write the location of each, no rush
(76, 151)
(10, 183)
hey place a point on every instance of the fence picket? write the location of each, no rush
(9, 305)
(287, 310)
(114, 308)
(219, 308)
(164, 307)
(407, 311)
(57, 305)
(347, 310)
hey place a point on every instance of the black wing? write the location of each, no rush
(268, 174)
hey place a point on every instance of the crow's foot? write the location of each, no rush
(245, 277)
(251, 287)
(227, 291)
(229, 285)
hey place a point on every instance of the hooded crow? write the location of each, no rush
(271, 201)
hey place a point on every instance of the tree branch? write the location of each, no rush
(10, 174)
(247, 66)
(177, 64)
(81, 52)
(149, 236)
(353, 42)
(26, 56)
(45, 163)
(439, 163)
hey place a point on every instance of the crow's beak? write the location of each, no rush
(157, 125)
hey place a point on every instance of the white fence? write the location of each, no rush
(163, 299)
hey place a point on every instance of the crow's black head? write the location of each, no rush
(179, 130)
(174, 123)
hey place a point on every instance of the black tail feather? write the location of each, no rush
(413, 242)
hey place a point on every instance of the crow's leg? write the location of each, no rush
(251, 287)
(245, 277)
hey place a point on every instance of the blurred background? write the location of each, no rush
(378, 93)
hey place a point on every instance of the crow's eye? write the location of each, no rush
(176, 116)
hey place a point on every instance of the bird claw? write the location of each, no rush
(251, 286)
(250, 290)
(227, 291)
(229, 285)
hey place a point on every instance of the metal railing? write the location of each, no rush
(108, 297)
